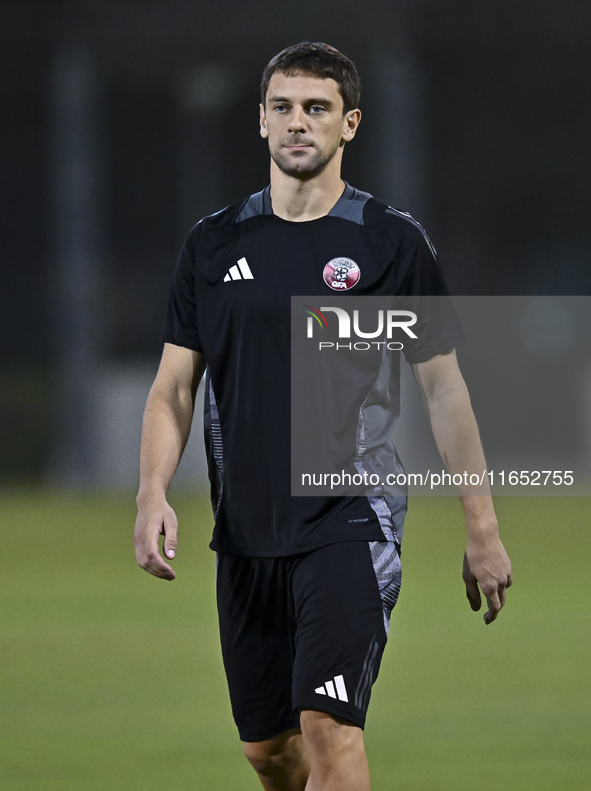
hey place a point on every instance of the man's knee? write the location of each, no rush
(325, 735)
(277, 754)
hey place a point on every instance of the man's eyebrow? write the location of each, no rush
(325, 101)
(308, 102)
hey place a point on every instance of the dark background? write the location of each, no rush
(123, 123)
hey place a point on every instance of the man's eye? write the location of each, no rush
(280, 108)
(317, 108)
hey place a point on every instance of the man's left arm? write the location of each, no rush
(446, 399)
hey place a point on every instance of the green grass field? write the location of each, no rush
(111, 680)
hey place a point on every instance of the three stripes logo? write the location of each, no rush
(239, 272)
(367, 676)
(334, 689)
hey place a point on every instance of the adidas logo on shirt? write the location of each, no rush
(329, 689)
(240, 272)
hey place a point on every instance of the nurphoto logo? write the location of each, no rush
(385, 322)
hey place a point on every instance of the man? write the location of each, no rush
(305, 585)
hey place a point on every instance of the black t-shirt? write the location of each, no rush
(231, 301)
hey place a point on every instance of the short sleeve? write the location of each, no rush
(421, 283)
(181, 325)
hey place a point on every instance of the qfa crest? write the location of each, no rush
(341, 274)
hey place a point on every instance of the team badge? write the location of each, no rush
(341, 274)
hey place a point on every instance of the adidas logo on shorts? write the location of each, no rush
(334, 689)
(240, 272)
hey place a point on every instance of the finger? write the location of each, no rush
(160, 569)
(154, 564)
(472, 590)
(170, 538)
(494, 607)
(473, 595)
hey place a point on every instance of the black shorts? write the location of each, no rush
(305, 632)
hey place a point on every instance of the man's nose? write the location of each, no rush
(297, 121)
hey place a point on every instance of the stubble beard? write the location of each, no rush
(306, 168)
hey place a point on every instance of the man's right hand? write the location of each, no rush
(153, 520)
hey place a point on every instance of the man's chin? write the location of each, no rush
(299, 168)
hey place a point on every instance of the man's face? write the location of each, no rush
(304, 123)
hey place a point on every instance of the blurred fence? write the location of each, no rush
(124, 123)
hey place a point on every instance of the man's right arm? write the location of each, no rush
(165, 431)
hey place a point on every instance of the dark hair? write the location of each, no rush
(322, 61)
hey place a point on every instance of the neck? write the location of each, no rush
(301, 200)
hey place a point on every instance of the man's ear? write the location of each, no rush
(350, 124)
(263, 122)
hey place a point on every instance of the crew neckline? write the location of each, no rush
(340, 207)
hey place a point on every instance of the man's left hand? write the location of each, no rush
(488, 565)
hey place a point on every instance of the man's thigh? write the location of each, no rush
(257, 631)
(343, 595)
